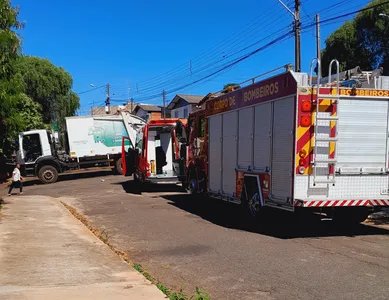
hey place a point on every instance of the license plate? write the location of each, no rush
(385, 191)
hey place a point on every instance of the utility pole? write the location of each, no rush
(108, 101)
(132, 104)
(129, 97)
(297, 31)
(164, 103)
(318, 52)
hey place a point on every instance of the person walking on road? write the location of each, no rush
(16, 180)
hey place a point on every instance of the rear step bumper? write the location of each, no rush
(342, 203)
(163, 180)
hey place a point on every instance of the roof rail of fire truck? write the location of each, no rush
(231, 88)
(287, 67)
(354, 77)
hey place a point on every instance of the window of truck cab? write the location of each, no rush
(139, 141)
(33, 147)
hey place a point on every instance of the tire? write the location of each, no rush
(250, 213)
(135, 178)
(194, 186)
(48, 174)
(118, 170)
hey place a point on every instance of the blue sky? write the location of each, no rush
(127, 43)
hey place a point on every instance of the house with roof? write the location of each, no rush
(101, 110)
(148, 111)
(182, 105)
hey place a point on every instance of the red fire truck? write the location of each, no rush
(290, 143)
(159, 153)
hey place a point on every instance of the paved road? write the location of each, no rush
(186, 245)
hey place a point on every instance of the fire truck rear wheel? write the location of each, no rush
(192, 184)
(250, 210)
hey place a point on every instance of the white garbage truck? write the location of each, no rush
(90, 141)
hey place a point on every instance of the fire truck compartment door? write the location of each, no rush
(262, 136)
(362, 146)
(229, 155)
(283, 148)
(245, 141)
(215, 150)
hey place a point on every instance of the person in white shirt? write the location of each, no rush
(16, 180)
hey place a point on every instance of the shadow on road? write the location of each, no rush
(275, 223)
(72, 176)
(133, 187)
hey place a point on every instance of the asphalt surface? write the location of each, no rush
(185, 243)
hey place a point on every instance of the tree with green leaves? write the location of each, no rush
(362, 42)
(229, 87)
(9, 85)
(48, 85)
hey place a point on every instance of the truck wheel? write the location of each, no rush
(192, 186)
(251, 211)
(117, 169)
(48, 174)
(136, 179)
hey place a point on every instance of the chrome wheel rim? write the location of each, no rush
(193, 185)
(48, 175)
(254, 204)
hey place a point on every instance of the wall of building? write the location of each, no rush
(141, 113)
(151, 116)
(155, 115)
(182, 112)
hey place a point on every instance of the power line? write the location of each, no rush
(226, 40)
(223, 50)
(180, 77)
(225, 67)
(271, 43)
(198, 71)
(216, 64)
(351, 13)
(91, 90)
(230, 64)
(205, 61)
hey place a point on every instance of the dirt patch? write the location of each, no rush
(101, 234)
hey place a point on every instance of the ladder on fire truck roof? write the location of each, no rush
(354, 77)
(322, 123)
